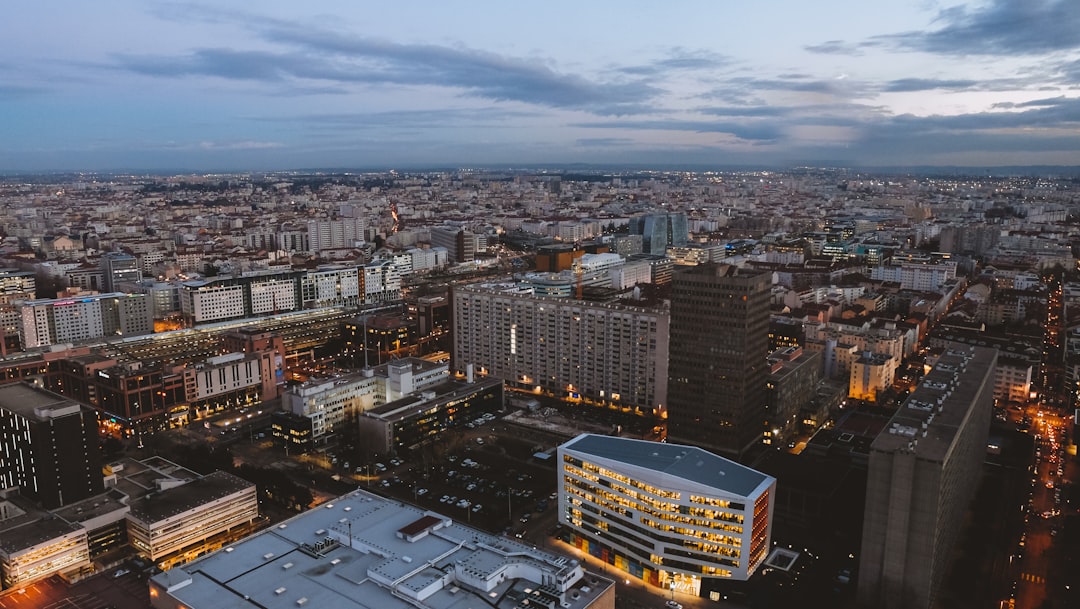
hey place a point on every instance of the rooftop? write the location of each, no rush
(362, 551)
(686, 462)
(31, 402)
(157, 506)
(928, 421)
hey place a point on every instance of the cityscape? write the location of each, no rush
(592, 306)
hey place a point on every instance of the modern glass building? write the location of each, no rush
(676, 517)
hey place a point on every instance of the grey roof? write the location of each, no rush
(158, 506)
(349, 553)
(24, 399)
(686, 462)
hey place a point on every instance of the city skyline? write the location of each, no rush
(168, 85)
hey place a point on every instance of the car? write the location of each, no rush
(673, 605)
(421, 491)
(121, 573)
(444, 498)
(380, 467)
(477, 508)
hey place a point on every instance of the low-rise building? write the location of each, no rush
(361, 550)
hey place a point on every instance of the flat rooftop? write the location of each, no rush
(932, 415)
(23, 525)
(362, 551)
(157, 506)
(687, 462)
(25, 400)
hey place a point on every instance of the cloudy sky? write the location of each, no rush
(225, 84)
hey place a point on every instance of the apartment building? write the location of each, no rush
(594, 352)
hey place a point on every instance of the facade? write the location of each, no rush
(119, 270)
(658, 231)
(411, 422)
(871, 373)
(331, 287)
(333, 403)
(48, 445)
(792, 385)
(361, 550)
(674, 516)
(178, 523)
(719, 350)
(250, 294)
(924, 470)
(63, 320)
(598, 353)
(33, 548)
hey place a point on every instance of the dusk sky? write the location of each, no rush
(229, 85)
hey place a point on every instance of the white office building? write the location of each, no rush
(673, 516)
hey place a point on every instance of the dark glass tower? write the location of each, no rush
(718, 350)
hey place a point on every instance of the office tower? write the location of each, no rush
(718, 368)
(619, 497)
(461, 245)
(602, 354)
(658, 231)
(923, 473)
(48, 445)
(119, 271)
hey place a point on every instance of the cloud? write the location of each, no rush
(757, 131)
(837, 47)
(328, 56)
(1001, 27)
(602, 142)
(16, 92)
(679, 59)
(414, 119)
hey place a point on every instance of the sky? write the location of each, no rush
(233, 85)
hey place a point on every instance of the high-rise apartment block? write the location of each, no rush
(598, 353)
(924, 470)
(719, 349)
(48, 446)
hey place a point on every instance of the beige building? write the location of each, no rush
(182, 522)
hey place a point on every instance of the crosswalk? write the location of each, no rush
(1031, 577)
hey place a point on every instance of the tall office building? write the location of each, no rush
(48, 446)
(119, 271)
(923, 473)
(61, 320)
(719, 347)
(658, 231)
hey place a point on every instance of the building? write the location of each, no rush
(871, 373)
(792, 386)
(64, 320)
(674, 516)
(411, 422)
(658, 231)
(460, 245)
(119, 271)
(360, 551)
(48, 446)
(34, 545)
(184, 520)
(607, 354)
(327, 405)
(719, 349)
(923, 473)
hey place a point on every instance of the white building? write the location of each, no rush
(331, 286)
(673, 516)
(64, 320)
(361, 551)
